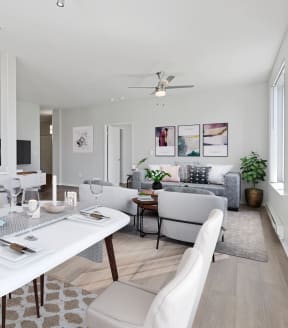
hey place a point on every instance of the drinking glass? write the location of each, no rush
(30, 205)
(96, 188)
(15, 190)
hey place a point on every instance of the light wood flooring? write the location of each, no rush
(238, 293)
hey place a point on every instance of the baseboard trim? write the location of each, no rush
(278, 227)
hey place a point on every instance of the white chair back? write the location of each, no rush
(208, 236)
(177, 302)
(115, 197)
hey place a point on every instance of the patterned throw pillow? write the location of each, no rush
(199, 174)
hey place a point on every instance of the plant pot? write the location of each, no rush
(254, 197)
(156, 185)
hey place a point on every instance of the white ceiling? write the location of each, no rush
(93, 50)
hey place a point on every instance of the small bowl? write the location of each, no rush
(54, 208)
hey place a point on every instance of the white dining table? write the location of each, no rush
(58, 239)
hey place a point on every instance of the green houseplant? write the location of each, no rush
(156, 176)
(253, 170)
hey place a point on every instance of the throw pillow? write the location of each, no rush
(199, 174)
(184, 171)
(217, 173)
(173, 170)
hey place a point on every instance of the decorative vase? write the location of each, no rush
(156, 185)
(254, 197)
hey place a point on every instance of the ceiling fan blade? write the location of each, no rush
(141, 87)
(170, 78)
(180, 86)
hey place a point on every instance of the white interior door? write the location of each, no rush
(113, 154)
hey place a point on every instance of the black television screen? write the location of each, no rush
(23, 152)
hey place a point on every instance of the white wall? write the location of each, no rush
(277, 202)
(28, 128)
(245, 108)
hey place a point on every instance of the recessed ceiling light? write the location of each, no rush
(60, 3)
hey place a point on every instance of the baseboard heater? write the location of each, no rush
(276, 224)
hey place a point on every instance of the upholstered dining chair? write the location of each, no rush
(4, 201)
(116, 197)
(125, 305)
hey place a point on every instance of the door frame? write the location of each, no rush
(118, 124)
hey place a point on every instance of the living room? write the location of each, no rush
(82, 61)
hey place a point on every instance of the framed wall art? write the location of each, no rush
(165, 141)
(83, 139)
(215, 140)
(189, 140)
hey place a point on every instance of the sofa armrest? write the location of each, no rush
(232, 184)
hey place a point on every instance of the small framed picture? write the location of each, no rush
(83, 139)
(189, 140)
(215, 140)
(165, 141)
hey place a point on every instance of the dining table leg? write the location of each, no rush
(111, 257)
(3, 311)
(42, 280)
(36, 297)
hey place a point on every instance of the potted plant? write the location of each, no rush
(253, 169)
(156, 176)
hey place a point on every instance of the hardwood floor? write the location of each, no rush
(238, 293)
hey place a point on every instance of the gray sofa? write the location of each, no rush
(230, 189)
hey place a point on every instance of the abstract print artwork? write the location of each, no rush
(83, 139)
(215, 140)
(189, 140)
(165, 141)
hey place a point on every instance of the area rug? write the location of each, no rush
(244, 235)
(64, 306)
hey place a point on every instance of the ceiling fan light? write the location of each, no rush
(60, 3)
(160, 93)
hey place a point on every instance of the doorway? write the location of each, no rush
(118, 152)
(46, 130)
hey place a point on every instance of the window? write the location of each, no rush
(277, 129)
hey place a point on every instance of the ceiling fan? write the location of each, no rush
(163, 85)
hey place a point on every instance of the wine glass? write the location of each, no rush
(15, 190)
(30, 205)
(96, 188)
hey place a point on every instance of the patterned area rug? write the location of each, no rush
(64, 306)
(244, 235)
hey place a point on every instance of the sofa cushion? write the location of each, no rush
(217, 173)
(199, 174)
(187, 189)
(217, 190)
